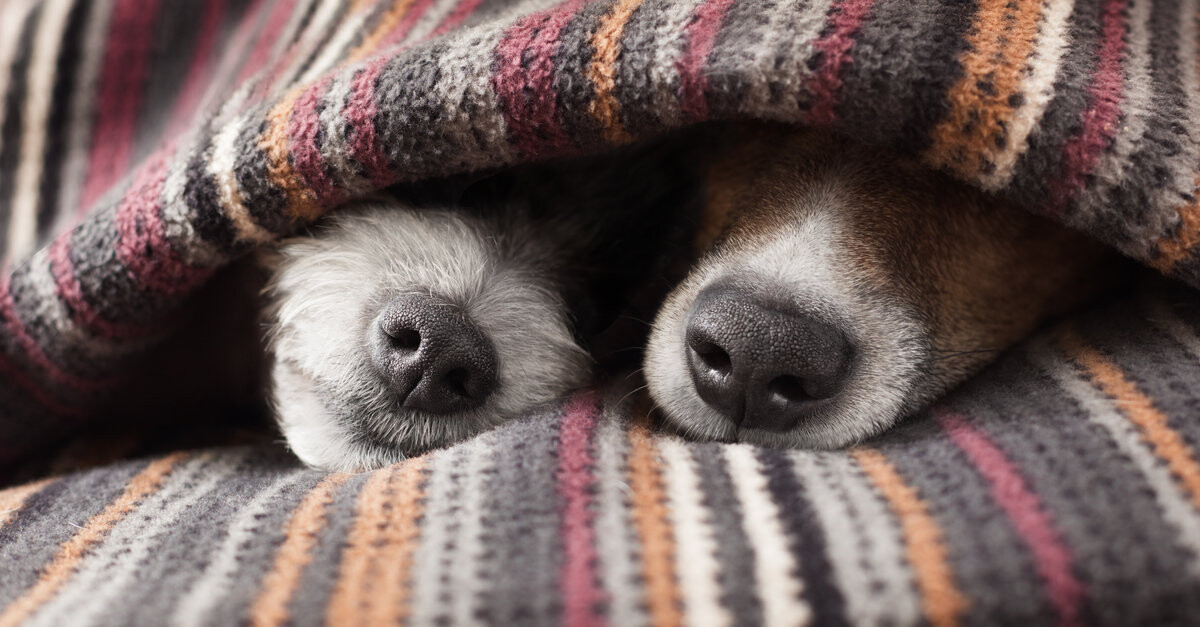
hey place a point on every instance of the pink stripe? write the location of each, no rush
(581, 592)
(360, 111)
(142, 244)
(71, 293)
(1052, 557)
(303, 126)
(524, 81)
(701, 38)
(123, 78)
(199, 68)
(460, 14)
(15, 328)
(826, 83)
(406, 24)
(1099, 122)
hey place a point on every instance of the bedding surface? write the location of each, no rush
(145, 144)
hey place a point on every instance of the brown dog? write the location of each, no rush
(841, 288)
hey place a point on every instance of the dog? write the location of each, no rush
(398, 326)
(840, 288)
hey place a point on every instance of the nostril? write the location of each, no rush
(714, 357)
(405, 339)
(456, 382)
(788, 389)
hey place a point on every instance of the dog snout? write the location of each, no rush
(760, 366)
(433, 357)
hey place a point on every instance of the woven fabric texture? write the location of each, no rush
(144, 144)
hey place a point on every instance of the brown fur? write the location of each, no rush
(978, 274)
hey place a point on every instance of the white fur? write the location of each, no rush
(334, 408)
(800, 263)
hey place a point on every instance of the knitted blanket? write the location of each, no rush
(144, 144)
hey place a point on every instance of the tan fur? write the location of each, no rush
(977, 274)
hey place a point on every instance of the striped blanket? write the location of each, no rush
(144, 144)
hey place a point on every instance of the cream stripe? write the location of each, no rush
(698, 567)
(334, 51)
(177, 223)
(1137, 106)
(469, 580)
(794, 31)
(1160, 314)
(224, 562)
(12, 21)
(22, 229)
(267, 78)
(614, 528)
(100, 580)
(326, 12)
(779, 587)
(669, 43)
(83, 109)
(12, 500)
(433, 17)
(1189, 48)
(222, 167)
(870, 567)
(333, 133)
(432, 558)
(60, 570)
(1176, 508)
(1038, 89)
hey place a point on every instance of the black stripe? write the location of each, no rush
(14, 118)
(739, 590)
(806, 539)
(926, 67)
(1041, 162)
(67, 92)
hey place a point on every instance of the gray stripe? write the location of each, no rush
(217, 572)
(865, 544)
(431, 559)
(981, 544)
(734, 552)
(619, 567)
(522, 522)
(1097, 499)
(106, 572)
(51, 518)
(179, 556)
(317, 580)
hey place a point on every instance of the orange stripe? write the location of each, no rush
(603, 70)
(13, 499)
(940, 599)
(300, 537)
(300, 201)
(1167, 444)
(74, 550)
(389, 21)
(354, 587)
(400, 537)
(999, 44)
(1174, 249)
(650, 517)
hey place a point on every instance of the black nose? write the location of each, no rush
(433, 357)
(759, 366)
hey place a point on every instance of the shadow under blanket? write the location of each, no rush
(144, 144)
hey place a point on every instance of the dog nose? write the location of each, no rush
(433, 357)
(759, 366)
